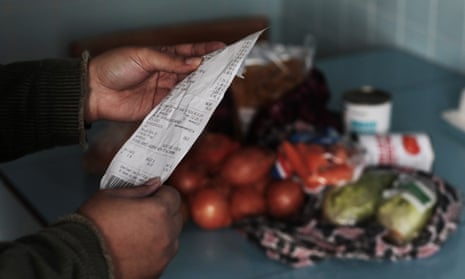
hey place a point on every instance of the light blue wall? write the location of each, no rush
(434, 29)
(33, 29)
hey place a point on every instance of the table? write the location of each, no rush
(16, 217)
(55, 184)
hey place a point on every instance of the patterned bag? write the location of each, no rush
(309, 239)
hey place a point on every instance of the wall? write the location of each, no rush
(430, 28)
(34, 29)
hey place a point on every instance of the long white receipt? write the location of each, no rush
(171, 128)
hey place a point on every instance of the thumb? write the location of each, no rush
(159, 61)
(140, 191)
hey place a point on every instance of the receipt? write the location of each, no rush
(171, 128)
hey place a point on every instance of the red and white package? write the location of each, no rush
(413, 150)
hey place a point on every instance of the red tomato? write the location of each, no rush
(246, 202)
(188, 177)
(209, 209)
(284, 198)
(247, 166)
(410, 144)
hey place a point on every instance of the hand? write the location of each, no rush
(126, 83)
(140, 226)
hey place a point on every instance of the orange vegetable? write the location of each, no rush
(315, 157)
(295, 159)
(337, 174)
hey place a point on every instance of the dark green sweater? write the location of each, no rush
(41, 107)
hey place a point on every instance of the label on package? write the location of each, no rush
(171, 128)
(412, 150)
(367, 119)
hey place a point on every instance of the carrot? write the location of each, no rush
(295, 159)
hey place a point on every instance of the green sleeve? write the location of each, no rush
(41, 105)
(67, 250)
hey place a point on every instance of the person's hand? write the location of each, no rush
(140, 227)
(126, 83)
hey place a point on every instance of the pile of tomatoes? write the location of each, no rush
(223, 181)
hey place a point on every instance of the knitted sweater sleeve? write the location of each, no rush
(69, 249)
(41, 105)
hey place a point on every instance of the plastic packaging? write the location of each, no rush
(413, 150)
(358, 201)
(271, 70)
(318, 165)
(407, 207)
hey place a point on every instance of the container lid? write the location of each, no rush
(366, 95)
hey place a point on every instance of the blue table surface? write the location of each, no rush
(54, 182)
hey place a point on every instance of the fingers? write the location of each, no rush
(138, 191)
(169, 197)
(197, 49)
(182, 59)
(151, 61)
(178, 222)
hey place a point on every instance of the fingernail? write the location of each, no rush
(153, 182)
(193, 61)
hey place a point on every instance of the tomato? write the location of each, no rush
(247, 166)
(247, 202)
(410, 144)
(209, 209)
(188, 177)
(284, 198)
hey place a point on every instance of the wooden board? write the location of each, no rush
(225, 30)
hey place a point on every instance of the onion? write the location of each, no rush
(105, 145)
(210, 209)
(262, 184)
(284, 198)
(212, 149)
(188, 177)
(247, 166)
(220, 184)
(247, 202)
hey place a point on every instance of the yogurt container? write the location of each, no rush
(367, 110)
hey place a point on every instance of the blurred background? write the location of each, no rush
(433, 29)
